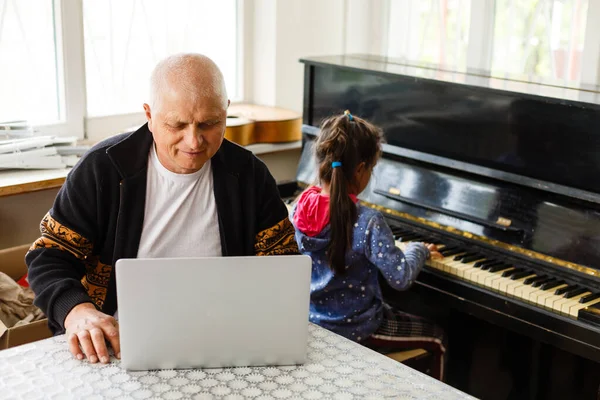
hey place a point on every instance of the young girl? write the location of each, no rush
(350, 243)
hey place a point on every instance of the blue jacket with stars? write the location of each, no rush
(351, 304)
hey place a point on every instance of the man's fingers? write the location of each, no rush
(85, 341)
(99, 344)
(436, 256)
(111, 333)
(73, 341)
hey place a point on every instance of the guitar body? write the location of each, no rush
(249, 124)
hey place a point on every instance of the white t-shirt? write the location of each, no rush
(180, 215)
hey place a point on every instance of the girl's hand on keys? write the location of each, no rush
(434, 254)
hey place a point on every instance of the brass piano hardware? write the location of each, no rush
(591, 309)
(503, 221)
(529, 253)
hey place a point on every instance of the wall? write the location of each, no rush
(20, 216)
(285, 31)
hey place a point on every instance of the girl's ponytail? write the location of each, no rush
(342, 214)
(344, 142)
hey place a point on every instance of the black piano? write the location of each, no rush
(504, 175)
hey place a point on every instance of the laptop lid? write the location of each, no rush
(213, 312)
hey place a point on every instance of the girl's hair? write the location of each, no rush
(348, 140)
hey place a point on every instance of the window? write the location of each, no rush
(527, 40)
(29, 83)
(539, 38)
(430, 31)
(70, 64)
(124, 39)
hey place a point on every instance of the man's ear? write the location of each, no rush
(148, 113)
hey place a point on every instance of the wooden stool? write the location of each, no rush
(403, 356)
(418, 359)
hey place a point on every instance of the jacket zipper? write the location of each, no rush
(72, 249)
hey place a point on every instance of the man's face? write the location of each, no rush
(188, 130)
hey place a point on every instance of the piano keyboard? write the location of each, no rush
(511, 280)
(519, 282)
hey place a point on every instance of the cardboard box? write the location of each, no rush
(12, 263)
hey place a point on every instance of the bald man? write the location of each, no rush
(173, 188)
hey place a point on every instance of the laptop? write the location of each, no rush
(213, 312)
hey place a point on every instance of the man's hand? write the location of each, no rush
(433, 252)
(89, 328)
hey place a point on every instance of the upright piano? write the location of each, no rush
(502, 174)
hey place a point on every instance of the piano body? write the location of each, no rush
(507, 183)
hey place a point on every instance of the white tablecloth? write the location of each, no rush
(336, 369)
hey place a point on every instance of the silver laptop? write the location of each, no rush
(213, 312)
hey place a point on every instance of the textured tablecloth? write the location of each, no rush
(336, 369)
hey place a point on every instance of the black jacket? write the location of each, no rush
(98, 214)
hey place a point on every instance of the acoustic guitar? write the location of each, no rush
(249, 124)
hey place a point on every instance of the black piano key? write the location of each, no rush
(589, 297)
(487, 266)
(448, 253)
(449, 248)
(500, 267)
(521, 274)
(552, 284)
(407, 238)
(575, 292)
(460, 256)
(508, 274)
(472, 258)
(565, 289)
(534, 279)
(485, 262)
(543, 282)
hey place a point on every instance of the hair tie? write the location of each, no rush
(336, 164)
(349, 115)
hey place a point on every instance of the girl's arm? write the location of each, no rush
(399, 269)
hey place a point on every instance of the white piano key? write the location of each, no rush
(573, 301)
(541, 300)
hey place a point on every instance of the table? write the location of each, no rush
(336, 369)
(25, 181)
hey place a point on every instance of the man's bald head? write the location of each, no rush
(187, 115)
(194, 75)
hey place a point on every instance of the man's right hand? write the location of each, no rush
(88, 329)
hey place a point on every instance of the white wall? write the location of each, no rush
(285, 31)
